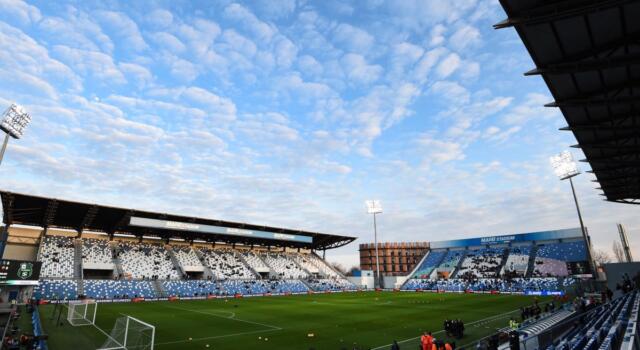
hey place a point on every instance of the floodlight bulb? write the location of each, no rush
(374, 206)
(14, 120)
(564, 166)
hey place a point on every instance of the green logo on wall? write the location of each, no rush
(25, 271)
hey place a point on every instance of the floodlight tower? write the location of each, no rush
(374, 207)
(565, 167)
(14, 121)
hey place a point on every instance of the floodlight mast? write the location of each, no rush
(14, 121)
(565, 167)
(375, 207)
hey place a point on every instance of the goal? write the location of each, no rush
(82, 314)
(130, 333)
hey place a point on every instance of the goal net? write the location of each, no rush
(130, 333)
(82, 314)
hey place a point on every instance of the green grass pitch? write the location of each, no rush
(366, 320)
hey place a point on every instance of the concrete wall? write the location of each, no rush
(362, 281)
(15, 251)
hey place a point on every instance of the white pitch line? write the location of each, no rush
(440, 331)
(227, 318)
(218, 336)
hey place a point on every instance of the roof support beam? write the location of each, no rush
(614, 170)
(623, 177)
(632, 153)
(625, 201)
(585, 66)
(50, 213)
(596, 127)
(620, 120)
(124, 220)
(585, 101)
(88, 217)
(547, 13)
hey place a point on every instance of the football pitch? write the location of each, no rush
(364, 320)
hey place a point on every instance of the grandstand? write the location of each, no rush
(127, 254)
(538, 261)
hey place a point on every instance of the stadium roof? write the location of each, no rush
(31, 210)
(588, 53)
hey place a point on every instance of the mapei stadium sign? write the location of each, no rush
(571, 233)
(497, 239)
(191, 227)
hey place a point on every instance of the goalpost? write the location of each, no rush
(82, 314)
(130, 333)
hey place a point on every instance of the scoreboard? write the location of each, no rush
(18, 272)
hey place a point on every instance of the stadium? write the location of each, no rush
(99, 266)
(175, 120)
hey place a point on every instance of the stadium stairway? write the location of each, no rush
(629, 340)
(244, 261)
(80, 286)
(308, 285)
(546, 323)
(119, 271)
(328, 265)
(175, 261)
(207, 270)
(158, 288)
(458, 266)
(413, 272)
(272, 272)
(301, 267)
(505, 256)
(532, 261)
(77, 259)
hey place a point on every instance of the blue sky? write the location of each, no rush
(292, 113)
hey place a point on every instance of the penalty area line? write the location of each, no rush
(232, 318)
(218, 336)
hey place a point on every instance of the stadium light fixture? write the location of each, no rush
(565, 167)
(14, 121)
(375, 207)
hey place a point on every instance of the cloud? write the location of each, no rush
(139, 74)
(494, 133)
(160, 18)
(124, 27)
(440, 151)
(260, 30)
(465, 37)
(200, 36)
(452, 91)
(21, 11)
(353, 38)
(359, 71)
(168, 41)
(309, 65)
(448, 65)
(20, 53)
(96, 64)
(27, 83)
(276, 9)
(437, 35)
